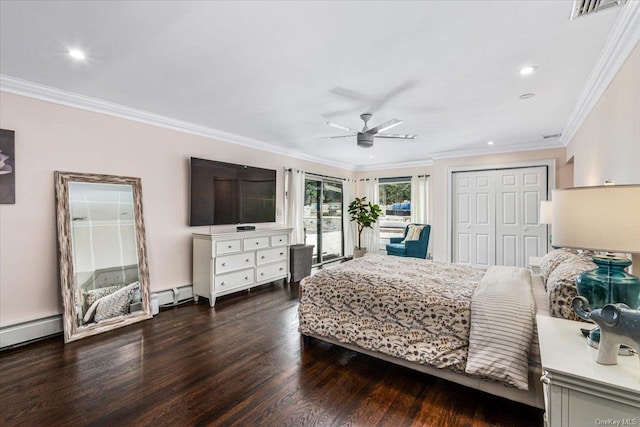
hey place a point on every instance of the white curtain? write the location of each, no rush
(371, 237)
(348, 227)
(420, 199)
(294, 204)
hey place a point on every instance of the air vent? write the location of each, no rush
(586, 7)
(553, 136)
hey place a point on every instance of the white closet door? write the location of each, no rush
(495, 216)
(518, 232)
(474, 221)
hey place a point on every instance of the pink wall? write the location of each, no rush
(52, 137)
(607, 145)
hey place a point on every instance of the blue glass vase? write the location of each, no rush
(608, 283)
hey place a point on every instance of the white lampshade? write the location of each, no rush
(603, 218)
(545, 212)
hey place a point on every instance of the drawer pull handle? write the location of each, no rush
(281, 269)
(262, 257)
(262, 274)
(257, 243)
(224, 264)
(281, 253)
(223, 283)
(229, 246)
(246, 277)
(246, 260)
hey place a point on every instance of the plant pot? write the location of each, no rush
(359, 252)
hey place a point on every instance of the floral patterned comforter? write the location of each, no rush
(409, 308)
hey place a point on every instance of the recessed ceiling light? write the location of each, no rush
(529, 69)
(77, 54)
(371, 156)
(490, 142)
(527, 95)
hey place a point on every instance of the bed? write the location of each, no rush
(470, 325)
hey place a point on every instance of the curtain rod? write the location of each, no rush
(317, 174)
(391, 177)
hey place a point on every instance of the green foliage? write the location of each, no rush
(364, 214)
(396, 192)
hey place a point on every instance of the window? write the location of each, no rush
(395, 201)
(323, 218)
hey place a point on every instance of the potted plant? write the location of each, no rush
(365, 215)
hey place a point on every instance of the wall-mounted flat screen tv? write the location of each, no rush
(226, 193)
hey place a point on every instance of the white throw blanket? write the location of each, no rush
(502, 320)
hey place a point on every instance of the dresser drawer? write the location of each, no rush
(227, 247)
(234, 262)
(256, 243)
(237, 279)
(266, 256)
(279, 240)
(271, 271)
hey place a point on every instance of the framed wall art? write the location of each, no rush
(7, 167)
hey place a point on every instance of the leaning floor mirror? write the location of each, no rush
(102, 253)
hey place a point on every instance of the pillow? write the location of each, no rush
(115, 304)
(93, 295)
(561, 287)
(552, 260)
(413, 233)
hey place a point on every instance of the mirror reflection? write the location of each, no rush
(103, 241)
(102, 251)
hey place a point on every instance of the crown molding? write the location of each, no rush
(528, 146)
(623, 38)
(26, 88)
(377, 167)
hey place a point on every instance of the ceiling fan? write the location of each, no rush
(366, 135)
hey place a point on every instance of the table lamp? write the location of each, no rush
(545, 212)
(546, 215)
(606, 219)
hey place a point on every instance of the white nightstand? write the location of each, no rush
(534, 264)
(578, 391)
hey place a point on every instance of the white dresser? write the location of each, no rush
(230, 262)
(578, 391)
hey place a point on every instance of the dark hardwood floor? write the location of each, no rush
(242, 363)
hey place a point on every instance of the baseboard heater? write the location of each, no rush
(26, 332)
(174, 296)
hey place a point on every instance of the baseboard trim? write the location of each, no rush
(26, 332)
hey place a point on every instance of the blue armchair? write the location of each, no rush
(410, 248)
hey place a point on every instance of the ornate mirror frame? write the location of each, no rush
(72, 328)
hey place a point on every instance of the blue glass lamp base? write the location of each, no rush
(609, 284)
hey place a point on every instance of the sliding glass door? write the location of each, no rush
(323, 218)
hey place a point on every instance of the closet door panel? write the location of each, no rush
(519, 192)
(474, 214)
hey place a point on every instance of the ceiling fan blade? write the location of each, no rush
(332, 137)
(337, 126)
(379, 103)
(384, 126)
(396, 135)
(350, 94)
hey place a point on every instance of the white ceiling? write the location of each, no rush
(273, 72)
